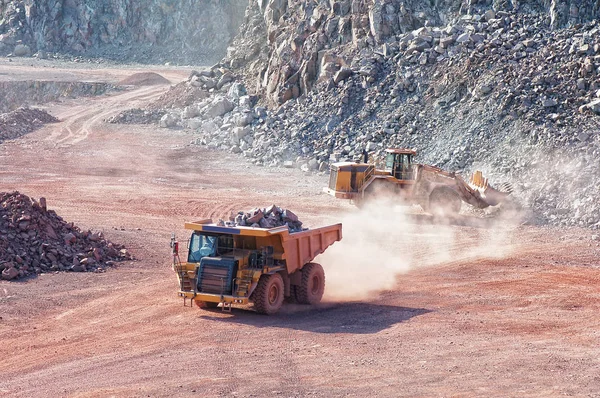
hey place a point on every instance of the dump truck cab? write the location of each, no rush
(238, 265)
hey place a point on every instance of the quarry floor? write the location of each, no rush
(412, 308)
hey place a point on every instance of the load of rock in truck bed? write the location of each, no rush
(268, 217)
(34, 240)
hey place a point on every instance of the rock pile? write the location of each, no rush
(22, 121)
(34, 240)
(511, 88)
(144, 79)
(137, 116)
(499, 91)
(285, 47)
(16, 94)
(268, 217)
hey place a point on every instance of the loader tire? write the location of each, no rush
(377, 190)
(268, 296)
(206, 304)
(312, 287)
(444, 202)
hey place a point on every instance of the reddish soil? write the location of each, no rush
(518, 317)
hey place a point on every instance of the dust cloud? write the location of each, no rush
(383, 240)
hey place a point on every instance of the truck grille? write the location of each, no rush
(332, 177)
(215, 275)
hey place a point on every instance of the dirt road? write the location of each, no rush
(495, 310)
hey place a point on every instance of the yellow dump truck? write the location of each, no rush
(237, 265)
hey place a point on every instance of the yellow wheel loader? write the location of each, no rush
(437, 191)
(237, 265)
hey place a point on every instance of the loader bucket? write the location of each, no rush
(477, 192)
(494, 197)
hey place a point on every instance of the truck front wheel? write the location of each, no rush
(313, 284)
(268, 296)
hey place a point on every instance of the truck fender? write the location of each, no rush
(286, 281)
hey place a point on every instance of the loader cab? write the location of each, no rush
(400, 163)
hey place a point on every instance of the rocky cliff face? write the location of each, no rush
(509, 87)
(287, 46)
(133, 30)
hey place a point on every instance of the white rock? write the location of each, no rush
(243, 119)
(465, 37)
(195, 123)
(22, 50)
(190, 112)
(489, 15)
(210, 127)
(241, 132)
(168, 120)
(485, 89)
(236, 91)
(594, 106)
(219, 107)
(245, 102)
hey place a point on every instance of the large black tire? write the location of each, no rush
(206, 304)
(444, 202)
(377, 190)
(268, 296)
(312, 287)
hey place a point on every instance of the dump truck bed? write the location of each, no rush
(296, 248)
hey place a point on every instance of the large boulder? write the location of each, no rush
(10, 273)
(22, 50)
(167, 121)
(594, 106)
(219, 107)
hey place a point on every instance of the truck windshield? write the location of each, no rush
(389, 161)
(201, 246)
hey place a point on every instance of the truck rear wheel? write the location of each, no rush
(268, 296)
(313, 284)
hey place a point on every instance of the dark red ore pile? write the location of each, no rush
(34, 240)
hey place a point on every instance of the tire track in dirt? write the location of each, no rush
(225, 353)
(79, 123)
(291, 375)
